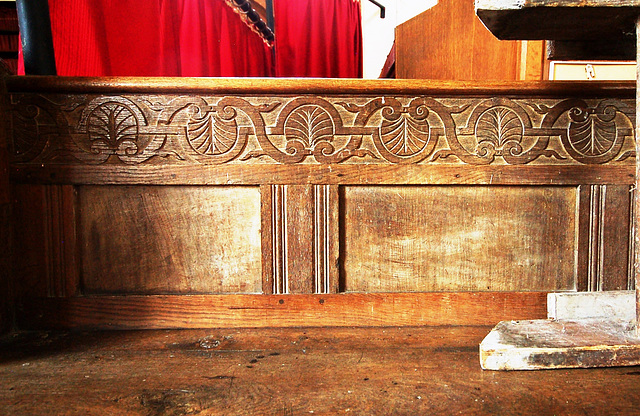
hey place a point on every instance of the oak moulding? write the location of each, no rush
(258, 86)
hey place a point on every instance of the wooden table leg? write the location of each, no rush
(576, 343)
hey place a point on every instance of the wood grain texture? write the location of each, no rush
(6, 237)
(299, 244)
(618, 239)
(298, 247)
(636, 196)
(327, 371)
(166, 131)
(605, 238)
(328, 174)
(170, 240)
(549, 344)
(239, 311)
(239, 86)
(180, 181)
(533, 61)
(45, 250)
(459, 238)
(448, 42)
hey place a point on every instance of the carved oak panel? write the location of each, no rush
(153, 239)
(170, 129)
(465, 238)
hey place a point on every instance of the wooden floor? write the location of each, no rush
(381, 371)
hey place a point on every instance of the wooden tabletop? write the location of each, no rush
(559, 19)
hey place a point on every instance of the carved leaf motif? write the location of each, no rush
(111, 124)
(498, 126)
(25, 123)
(309, 124)
(404, 136)
(593, 136)
(211, 135)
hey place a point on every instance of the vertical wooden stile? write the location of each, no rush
(636, 210)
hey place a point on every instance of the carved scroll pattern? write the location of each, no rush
(174, 129)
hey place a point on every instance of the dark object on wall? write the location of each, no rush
(37, 43)
(382, 8)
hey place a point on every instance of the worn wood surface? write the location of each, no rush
(399, 239)
(448, 42)
(559, 19)
(636, 199)
(6, 284)
(550, 344)
(239, 86)
(330, 310)
(534, 65)
(605, 239)
(381, 371)
(143, 187)
(243, 138)
(153, 240)
(169, 239)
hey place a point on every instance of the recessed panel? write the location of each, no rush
(165, 239)
(458, 238)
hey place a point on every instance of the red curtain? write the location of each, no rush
(208, 38)
(155, 38)
(318, 38)
(204, 38)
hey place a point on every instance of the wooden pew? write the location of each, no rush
(185, 203)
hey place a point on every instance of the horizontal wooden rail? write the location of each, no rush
(206, 131)
(332, 310)
(233, 86)
(330, 175)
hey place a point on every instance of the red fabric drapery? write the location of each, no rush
(210, 39)
(204, 38)
(318, 38)
(155, 38)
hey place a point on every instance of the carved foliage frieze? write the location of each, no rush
(173, 129)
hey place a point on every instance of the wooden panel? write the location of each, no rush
(299, 223)
(617, 264)
(331, 175)
(297, 210)
(247, 139)
(533, 63)
(170, 240)
(459, 238)
(29, 229)
(6, 283)
(240, 311)
(449, 42)
(605, 243)
(45, 240)
(268, 220)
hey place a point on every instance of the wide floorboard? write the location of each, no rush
(359, 371)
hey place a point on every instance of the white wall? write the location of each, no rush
(378, 34)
